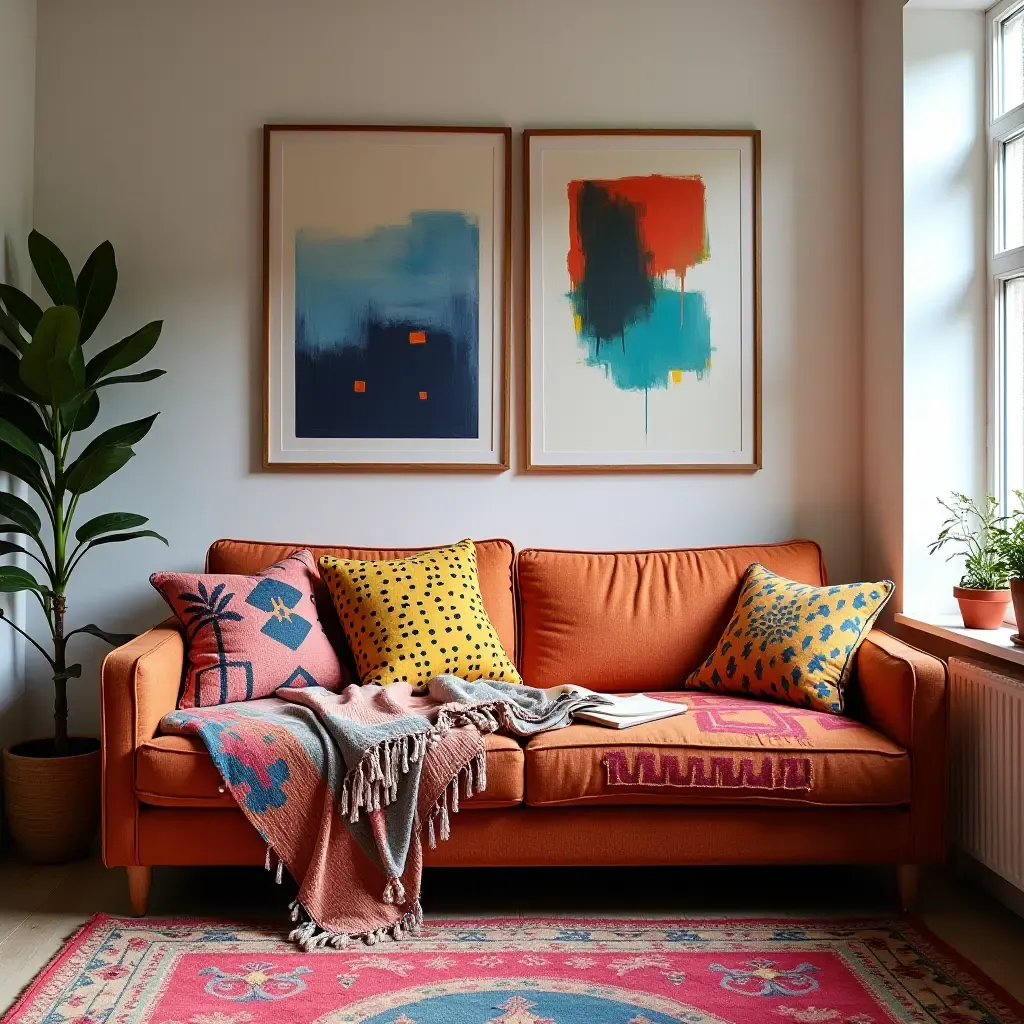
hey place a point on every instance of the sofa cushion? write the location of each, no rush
(791, 642)
(176, 771)
(493, 562)
(637, 620)
(410, 619)
(724, 750)
(249, 635)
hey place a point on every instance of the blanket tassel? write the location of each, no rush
(310, 936)
(394, 891)
(268, 863)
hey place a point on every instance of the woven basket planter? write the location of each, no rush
(53, 803)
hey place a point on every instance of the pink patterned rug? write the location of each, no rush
(527, 971)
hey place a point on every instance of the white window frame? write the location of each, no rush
(1002, 265)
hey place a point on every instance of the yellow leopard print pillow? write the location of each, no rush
(792, 642)
(410, 619)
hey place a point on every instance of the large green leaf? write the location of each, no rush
(23, 468)
(53, 364)
(24, 416)
(19, 512)
(52, 268)
(114, 639)
(126, 352)
(115, 538)
(91, 470)
(11, 331)
(13, 578)
(80, 413)
(126, 434)
(131, 378)
(10, 374)
(21, 307)
(8, 547)
(96, 285)
(108, 523)
(21, 442)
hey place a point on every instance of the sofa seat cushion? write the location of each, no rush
(724, 750)
(176, 771)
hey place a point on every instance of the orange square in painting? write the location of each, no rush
(418, 338)
(423, 396)
(359, 385)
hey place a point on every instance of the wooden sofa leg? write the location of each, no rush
(909, 878)
(139, 879)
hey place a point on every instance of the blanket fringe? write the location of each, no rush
(473, 776)
(309, 935)
(268, 864)
(373, 783)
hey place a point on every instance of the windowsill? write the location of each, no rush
(994, 642)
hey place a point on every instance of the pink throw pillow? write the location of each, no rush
(248, 635)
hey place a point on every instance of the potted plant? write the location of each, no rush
(975, 530)
(1010, 542)
(49, 396)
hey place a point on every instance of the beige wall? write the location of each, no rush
(17, 109)
(148, 132)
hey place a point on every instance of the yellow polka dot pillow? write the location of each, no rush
(410, 619)
(792, 642)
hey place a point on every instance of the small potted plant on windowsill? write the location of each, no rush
(1009, 540)
(979, 536)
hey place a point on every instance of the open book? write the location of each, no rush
(616, 712)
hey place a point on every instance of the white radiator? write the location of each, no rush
(987, 767)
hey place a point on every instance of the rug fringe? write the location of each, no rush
(309, 935)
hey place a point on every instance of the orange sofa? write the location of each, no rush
(733, 781)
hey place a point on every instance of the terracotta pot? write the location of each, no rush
(53, 803)
(1017, 593)
(982, 609)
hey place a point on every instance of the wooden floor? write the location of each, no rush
(40, 906)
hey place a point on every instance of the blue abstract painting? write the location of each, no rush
(387, 330)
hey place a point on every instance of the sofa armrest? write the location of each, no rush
(903, 692)
(139, 685)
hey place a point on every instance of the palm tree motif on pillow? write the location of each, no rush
(210, 608)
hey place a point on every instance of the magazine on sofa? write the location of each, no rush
(615, 712)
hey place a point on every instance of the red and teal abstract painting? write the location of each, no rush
(387, 330)
(631, 242)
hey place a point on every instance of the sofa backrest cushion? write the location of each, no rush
(494, 567)
(637, 620)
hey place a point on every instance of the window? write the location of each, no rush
(1006, 246)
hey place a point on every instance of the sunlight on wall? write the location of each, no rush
(944, 287)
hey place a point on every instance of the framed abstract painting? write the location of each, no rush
(386, 256)
(643, 300)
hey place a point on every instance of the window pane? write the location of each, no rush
(1013, 193)
(1013, 363)
(1011, 43)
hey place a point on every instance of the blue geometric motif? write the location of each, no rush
(284, 625)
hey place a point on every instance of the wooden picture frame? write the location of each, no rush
(387, 261)
(671, 199)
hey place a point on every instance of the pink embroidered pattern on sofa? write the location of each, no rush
(715, 772)
(747, 717)
(249, 635)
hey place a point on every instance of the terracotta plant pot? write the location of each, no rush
(53, 803)
(982, 609)
(1017, 593)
